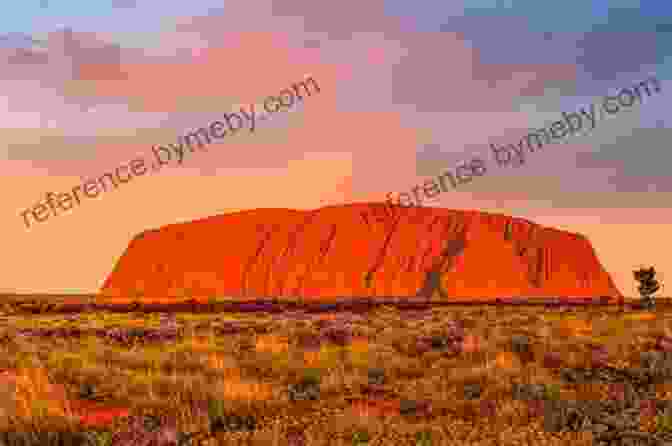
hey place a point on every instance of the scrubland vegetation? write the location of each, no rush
(441, 376)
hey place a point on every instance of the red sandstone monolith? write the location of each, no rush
(359, 250)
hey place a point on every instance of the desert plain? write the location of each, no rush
(434, 375)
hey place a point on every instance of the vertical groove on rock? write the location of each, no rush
(508, 230)
(452, 248)
(429, 243)
(426, 253)
(549, 259)
(383, 250)
(409, 267)
(324, 248)
(540, 265)
(531, 233)
(365, 218)
(253, 260)
(434, 221)
(291, 246)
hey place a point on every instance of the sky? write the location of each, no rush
(407, 90)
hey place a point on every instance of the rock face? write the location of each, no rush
(364, 249)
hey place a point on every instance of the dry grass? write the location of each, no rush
(250, 372)
(29, 393)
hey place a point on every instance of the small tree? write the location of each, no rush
(648, 285)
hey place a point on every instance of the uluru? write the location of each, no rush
(360, 250)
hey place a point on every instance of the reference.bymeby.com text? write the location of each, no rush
(584, 120)
(56, 203)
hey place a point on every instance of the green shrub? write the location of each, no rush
(102, 438)
(423, 438)
(664, 422)
(312, 377)
(360, 438)
(552, 392)
(216, 409)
